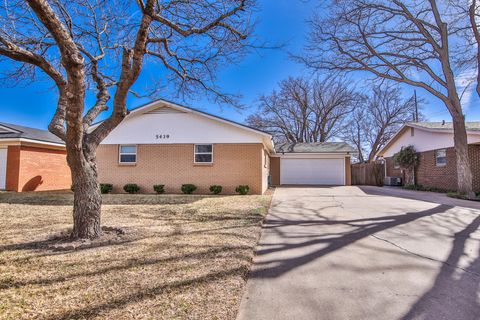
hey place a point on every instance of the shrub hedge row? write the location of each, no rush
(187, 188)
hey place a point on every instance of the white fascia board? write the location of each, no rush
(387, 145)
(313, 155)
(20, 140)
(413, 125)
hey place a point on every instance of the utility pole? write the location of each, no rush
(416, 105)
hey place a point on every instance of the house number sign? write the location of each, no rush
(162, 136)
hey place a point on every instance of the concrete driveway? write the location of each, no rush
(348, 253)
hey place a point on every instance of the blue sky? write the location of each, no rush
(279, 21)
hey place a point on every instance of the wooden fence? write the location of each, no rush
(371, 174)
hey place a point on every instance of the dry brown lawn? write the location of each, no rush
(181, 257)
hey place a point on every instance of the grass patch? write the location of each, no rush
(183, 256)
(457, 195)
(449, 193)
(419, 187)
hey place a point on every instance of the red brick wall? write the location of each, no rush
(428, 174)
(474, 154)
(13, 168)
(391, 171)
(37, 169)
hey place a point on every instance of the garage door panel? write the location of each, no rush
(3, 168)
(312, 171)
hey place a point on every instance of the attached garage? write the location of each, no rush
(313, 171)
(312, 164)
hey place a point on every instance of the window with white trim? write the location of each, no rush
(203, 153)
(127, 154)
(441, 157)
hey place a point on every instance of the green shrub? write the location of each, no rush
(131, 188)
(106, 188)
(462, 196)
(419, 187)
(159, 188)
(188, 188)
(215, 189)
(407, 157)
(243, 190)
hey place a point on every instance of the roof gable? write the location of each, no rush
(164, 110)
(165, 106)
(426, 136)
(162, 122)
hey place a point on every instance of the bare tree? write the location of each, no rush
(102, 45)
(354, 132)
(305, 110)
(409, 42)
(384, 111)
(467, 54)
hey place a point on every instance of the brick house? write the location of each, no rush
(437, 160)
(165, 143)
(32, 160)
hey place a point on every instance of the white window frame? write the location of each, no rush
(120, 153)
(195, 152)
(440, 164)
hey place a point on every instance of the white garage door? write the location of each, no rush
(312, 171)
(3, 168)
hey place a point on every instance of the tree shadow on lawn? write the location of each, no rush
(89, 312)
(65, 198)
(210, 252)
(141, 260)
(46, 247)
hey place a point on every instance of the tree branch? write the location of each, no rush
(473, 23)
(132, 60)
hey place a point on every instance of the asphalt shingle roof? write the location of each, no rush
(28, 133)
(471, 126)
(315, 147)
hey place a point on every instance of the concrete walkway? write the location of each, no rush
(348, 253)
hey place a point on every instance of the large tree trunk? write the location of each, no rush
(361, 159)
(87, 197)
(464, 172)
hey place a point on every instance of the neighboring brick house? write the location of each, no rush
(437, 159)
(32, 160)
(165, 143)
